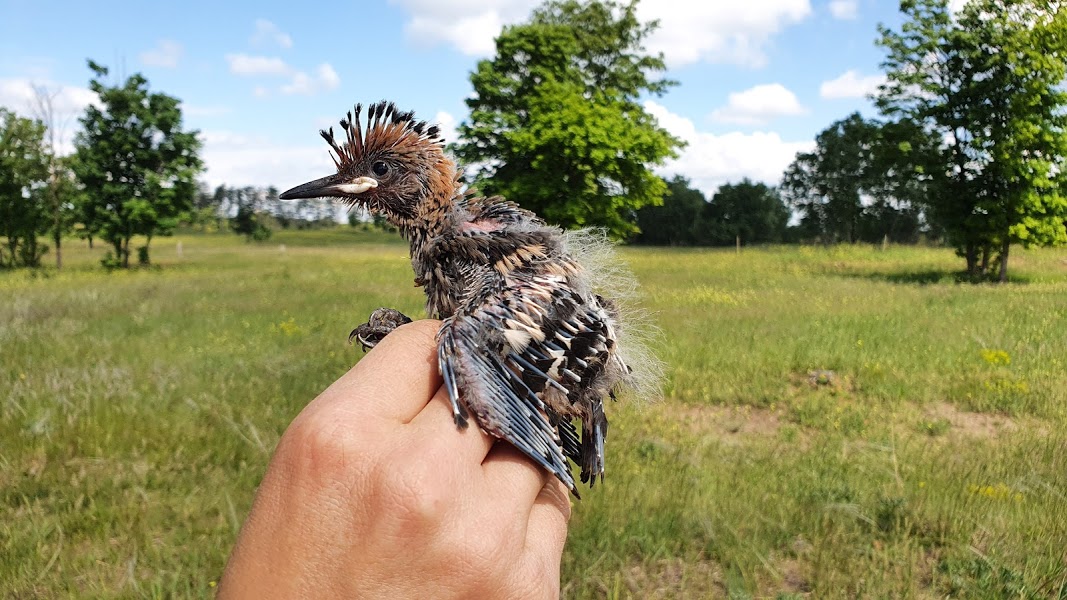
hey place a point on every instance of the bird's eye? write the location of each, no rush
(380, 168)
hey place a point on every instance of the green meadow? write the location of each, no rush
(835, 422)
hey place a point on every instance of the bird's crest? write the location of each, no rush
(386, 127)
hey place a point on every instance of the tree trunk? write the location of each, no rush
(986, 251)
(971, 254)
(1004, 248)
(57, 232)
(30, 251)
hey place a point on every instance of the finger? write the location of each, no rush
(436, 422)
(395, 379)
(513, 478)
(547, 530)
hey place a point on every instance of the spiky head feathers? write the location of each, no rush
(387, 128)
(388, 165)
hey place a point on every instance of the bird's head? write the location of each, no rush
(392, 168)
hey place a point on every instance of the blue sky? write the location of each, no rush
(758, 78)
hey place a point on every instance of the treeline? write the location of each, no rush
(750, 212)
(255, 212)
(755, 213)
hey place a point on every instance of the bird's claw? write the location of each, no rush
(382, 321)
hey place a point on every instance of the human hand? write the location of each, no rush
(374, 493)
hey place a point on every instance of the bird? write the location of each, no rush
(532, 338)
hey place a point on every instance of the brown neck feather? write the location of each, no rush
(433, 211)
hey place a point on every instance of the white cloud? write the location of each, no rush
(247, 65)
(447, 123)
(844, 9)
(68, 103)
(18, 94)
(167, 53)
(267, 34)
(759, 104)
(711, 160)
(720, 32)
(324, 79)
(850, 85)
(236, 159)
(468, 25)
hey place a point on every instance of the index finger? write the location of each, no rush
(395, 380)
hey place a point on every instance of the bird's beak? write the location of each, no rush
(330, 187)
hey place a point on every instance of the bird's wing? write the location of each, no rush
(514, 340)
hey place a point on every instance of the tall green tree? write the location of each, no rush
(988, 80)
(747, 211)
(864, 180)
(826, 185)
(136, 163)
(23, 174)
(556, 123)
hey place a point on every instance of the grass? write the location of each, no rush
(836, 423)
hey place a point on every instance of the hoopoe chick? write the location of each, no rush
(527, 345)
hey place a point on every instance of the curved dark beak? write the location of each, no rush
(330, 187)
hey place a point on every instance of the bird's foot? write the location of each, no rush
(381, 322)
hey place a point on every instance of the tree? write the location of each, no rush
(988, 82)
(556, 124)
(60, 193)
(137, 165)
(250, 224)
(826, 184)
(250, 220)
(751, 212)
(673, 223)
(864, 180)
(23, 173)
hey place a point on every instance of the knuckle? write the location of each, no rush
(417, 493)
(318, 448)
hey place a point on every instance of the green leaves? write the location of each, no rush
(23, 174)
(863, 181)
(137, 165)
(988, 82)
(556, 125)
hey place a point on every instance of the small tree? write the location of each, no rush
(23, 175)
(556, 123)
(137, 165)
(61, 192)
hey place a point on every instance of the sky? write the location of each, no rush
(758, 79)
